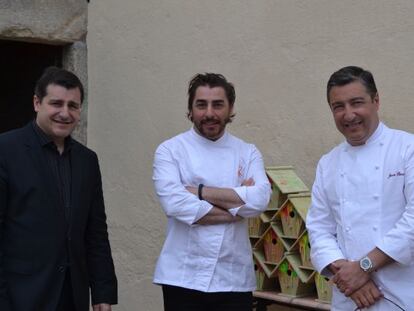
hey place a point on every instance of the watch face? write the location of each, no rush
(365, 264)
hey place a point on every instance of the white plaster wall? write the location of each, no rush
(279, 54)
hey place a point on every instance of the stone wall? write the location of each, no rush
(44, 21)
(55, 22)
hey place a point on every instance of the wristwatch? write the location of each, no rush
(366, 264)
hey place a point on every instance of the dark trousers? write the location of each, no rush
(183, 299)
(66, 302)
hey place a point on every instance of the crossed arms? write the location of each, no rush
(179, 197)
(222, 199)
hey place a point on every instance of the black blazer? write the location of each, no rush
(35, 237)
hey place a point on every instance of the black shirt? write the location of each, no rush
(59, 164)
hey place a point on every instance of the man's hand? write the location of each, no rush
(333, 267)
(193, 190)
(102, 307)
(225, 198)
(217, 216)
(367, 295)
(248, 182)
(349, 276)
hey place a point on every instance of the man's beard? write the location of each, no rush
(212, 121)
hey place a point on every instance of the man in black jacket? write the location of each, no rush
(53, 235)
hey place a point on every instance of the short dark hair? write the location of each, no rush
(211, 80)
(57, 76)
(350, 74)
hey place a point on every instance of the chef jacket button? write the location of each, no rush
(381, 144)
(376, 167)
(374, 228)
(375, 197)
(61, 268)
(347, 229)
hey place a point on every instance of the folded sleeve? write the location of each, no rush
(321, 227)
(256, 197)
(175, 200)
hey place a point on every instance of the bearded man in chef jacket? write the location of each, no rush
(208, 183)
(361, 221)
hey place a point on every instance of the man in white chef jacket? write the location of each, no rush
(208, 183)
(361, 221)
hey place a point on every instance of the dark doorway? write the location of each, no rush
(21, 65)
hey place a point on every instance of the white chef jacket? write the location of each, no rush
(208, 258)
(363, 198)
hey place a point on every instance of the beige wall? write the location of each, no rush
(279, 54)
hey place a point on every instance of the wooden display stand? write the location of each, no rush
(266, 298)
(284, 181)
(281, 248)
(295, 281)
(324, 288)
(263, 282)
